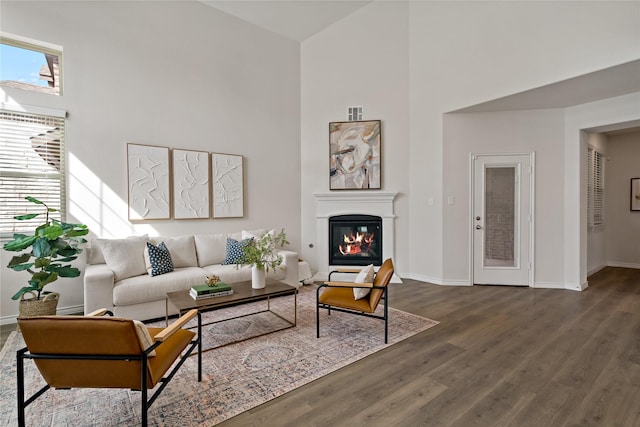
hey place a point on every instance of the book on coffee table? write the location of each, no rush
(206, 289)
(212, 295)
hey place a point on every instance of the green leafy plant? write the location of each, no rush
(262, 252)
(52, 244)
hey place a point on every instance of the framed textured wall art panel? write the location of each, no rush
(354, 155)
(635, 194)
(191, 187)
(228, 189)
(148, 182)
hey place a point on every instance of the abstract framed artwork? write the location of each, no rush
(354, 155)
(228, 188)
(191, 187)
(635, 194)
(148, 182)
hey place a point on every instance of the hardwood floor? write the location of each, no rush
(502, 356)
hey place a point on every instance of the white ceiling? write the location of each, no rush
(295, 19)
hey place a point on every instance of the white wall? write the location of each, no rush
(456, 54)
(623, 225)
(361, 60)
(539, 131)
(175, 74)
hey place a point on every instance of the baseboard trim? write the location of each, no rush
(422, 278)
(457, 283)
(74, 309)
(437, 281)
(538, 285)
(548, 285)
(557, 285)
(595, 270)
(623, 264)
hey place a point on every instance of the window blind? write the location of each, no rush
(595, 188)
(32, 163)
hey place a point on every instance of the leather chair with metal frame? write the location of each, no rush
(95, 351)
(338, 296)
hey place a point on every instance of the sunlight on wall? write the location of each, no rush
(92, 202)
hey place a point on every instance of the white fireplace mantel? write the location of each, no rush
(376, 203)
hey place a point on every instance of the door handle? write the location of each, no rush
(478, 227)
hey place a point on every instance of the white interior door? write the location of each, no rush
(502, 212)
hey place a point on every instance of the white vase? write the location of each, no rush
(257, 277)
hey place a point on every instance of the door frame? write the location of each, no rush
(532, 210)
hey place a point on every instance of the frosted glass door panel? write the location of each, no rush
(500, 217)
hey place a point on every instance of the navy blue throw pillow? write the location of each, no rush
(160, 259)
(235, 250)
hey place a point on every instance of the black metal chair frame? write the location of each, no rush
(328, 307)
(146, 402)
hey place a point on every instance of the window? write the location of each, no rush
(30, 66)
(32, 163)
(595, 188)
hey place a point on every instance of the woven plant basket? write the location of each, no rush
(45, 306)
(31, 307)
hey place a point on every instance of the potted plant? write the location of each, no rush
(261, 255)
(52, 245)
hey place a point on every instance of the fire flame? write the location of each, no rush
(356, 244)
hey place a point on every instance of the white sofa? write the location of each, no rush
(116, 275)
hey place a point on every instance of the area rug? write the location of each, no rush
(236, 377)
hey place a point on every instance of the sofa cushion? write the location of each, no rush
(258, 234)
(142, 289)
(182, 249)
(211, 248)
(235, 250)
(255, 234)
(235, 236)
(94, 253)
(365, 276)
(125, 257)
(160, 259)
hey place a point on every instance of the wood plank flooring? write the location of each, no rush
(502, 356)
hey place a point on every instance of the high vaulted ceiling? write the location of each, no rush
(301, 19)
(297, 20)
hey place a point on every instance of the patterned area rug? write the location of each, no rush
(236, 377)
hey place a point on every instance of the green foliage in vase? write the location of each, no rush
(52, 245)
(262, 252)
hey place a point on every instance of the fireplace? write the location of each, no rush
(343, 202)
(355, 240)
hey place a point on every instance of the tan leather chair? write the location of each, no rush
(104, 352)
(338, 296)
